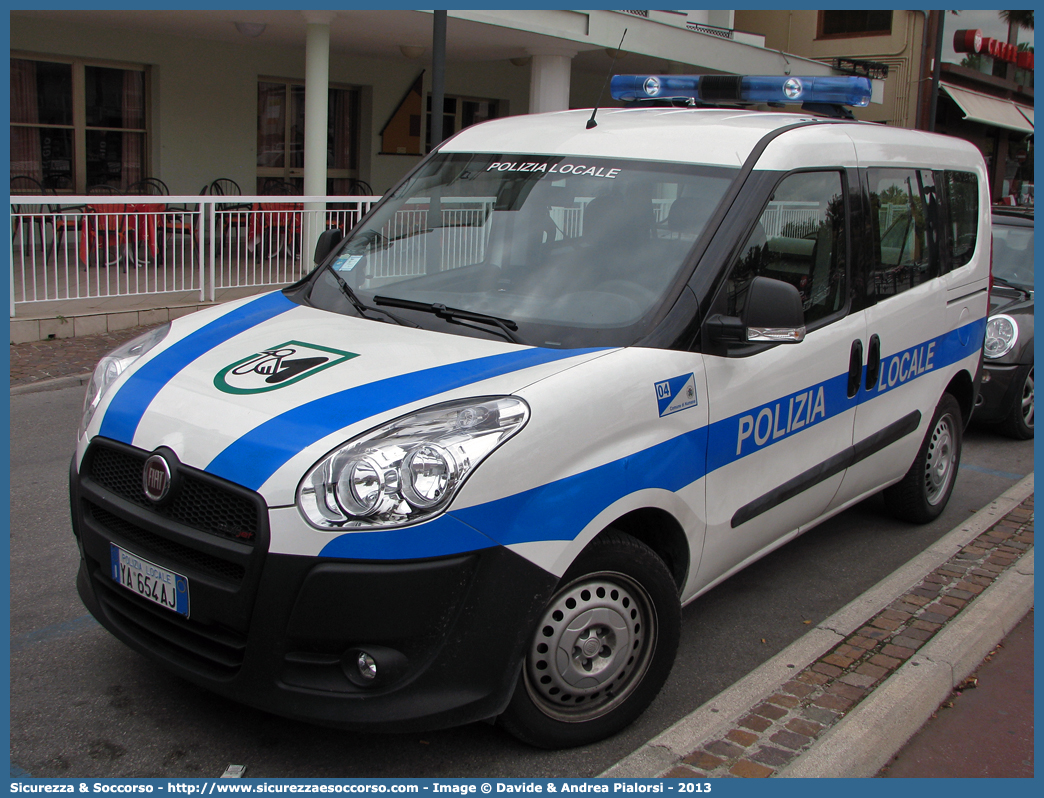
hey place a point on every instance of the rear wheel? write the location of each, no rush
(602, 649)
(922, 494)
(1019, 423)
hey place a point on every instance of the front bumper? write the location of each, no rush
(283, 633)
(998, 392)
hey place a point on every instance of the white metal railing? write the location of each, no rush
(790, 218)
(463, 228)
(87, 247)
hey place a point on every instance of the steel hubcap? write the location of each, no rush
(592, 647)
(942, 456)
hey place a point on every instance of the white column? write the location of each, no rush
(317, 86)
(549, 80)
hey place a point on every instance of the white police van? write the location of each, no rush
(560, 382)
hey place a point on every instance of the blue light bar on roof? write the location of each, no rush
(854, 91)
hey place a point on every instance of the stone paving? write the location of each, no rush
(64, 357)
(772, 734)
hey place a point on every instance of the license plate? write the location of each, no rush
(148, 580)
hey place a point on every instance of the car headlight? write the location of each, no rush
(1001, 334)
(408, 470)
(111, 366)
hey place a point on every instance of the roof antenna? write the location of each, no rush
(591, 122)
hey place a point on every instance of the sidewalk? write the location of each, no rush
(985, 729)
(847, 697)
(60, 362)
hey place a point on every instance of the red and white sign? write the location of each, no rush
(972, 41)
(967, 41)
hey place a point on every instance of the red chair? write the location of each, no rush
(275, 227)
(231, 215)
(116, 233)
(102, 241)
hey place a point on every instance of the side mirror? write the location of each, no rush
(326, 243)
(772, 314)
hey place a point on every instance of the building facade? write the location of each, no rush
(892, 39)
(982, 102)
(111, 97)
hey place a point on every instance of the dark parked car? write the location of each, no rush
(1006, 395)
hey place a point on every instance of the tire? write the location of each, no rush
(619, 595)
(1019, 423)
(922, 494)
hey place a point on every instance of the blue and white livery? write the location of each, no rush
(561, 381)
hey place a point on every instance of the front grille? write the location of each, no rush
(199, 502)
(209, 530)
(216, 651)
(147, 542)
(120, 472)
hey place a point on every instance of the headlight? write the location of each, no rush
(408, 470)
(1001, 334)
(111, 366)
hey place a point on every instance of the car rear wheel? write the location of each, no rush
(1019, 423)
(602, 649)
(922, 494)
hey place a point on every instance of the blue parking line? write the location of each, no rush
(52, 632)
(18, 773)
(992, 472)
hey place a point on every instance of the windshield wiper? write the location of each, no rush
(506, 326)
(361, 307)
(1028, 292)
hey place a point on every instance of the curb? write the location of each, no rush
(719, 715)
(868, 737)
(53, 384)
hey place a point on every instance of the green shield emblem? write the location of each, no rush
(277, 367)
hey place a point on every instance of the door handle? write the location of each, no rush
(873, 362)
(855, 367)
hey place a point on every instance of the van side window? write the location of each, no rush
(799, 238)
(902, 203)
(962, 224)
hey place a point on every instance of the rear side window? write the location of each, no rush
(962, 223)
(902, 204)
(799, 238)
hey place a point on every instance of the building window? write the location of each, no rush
(280, 137)
(854, 23)
(76, 124)
(459, 113)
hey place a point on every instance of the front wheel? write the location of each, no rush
(922, 494)
(602, 649)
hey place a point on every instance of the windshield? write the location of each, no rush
(574, 251)
(1013, 255)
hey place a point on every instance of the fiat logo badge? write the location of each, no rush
(155, 479)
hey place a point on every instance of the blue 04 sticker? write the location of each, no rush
(677, 393)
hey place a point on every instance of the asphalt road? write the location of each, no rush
(83, 705)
